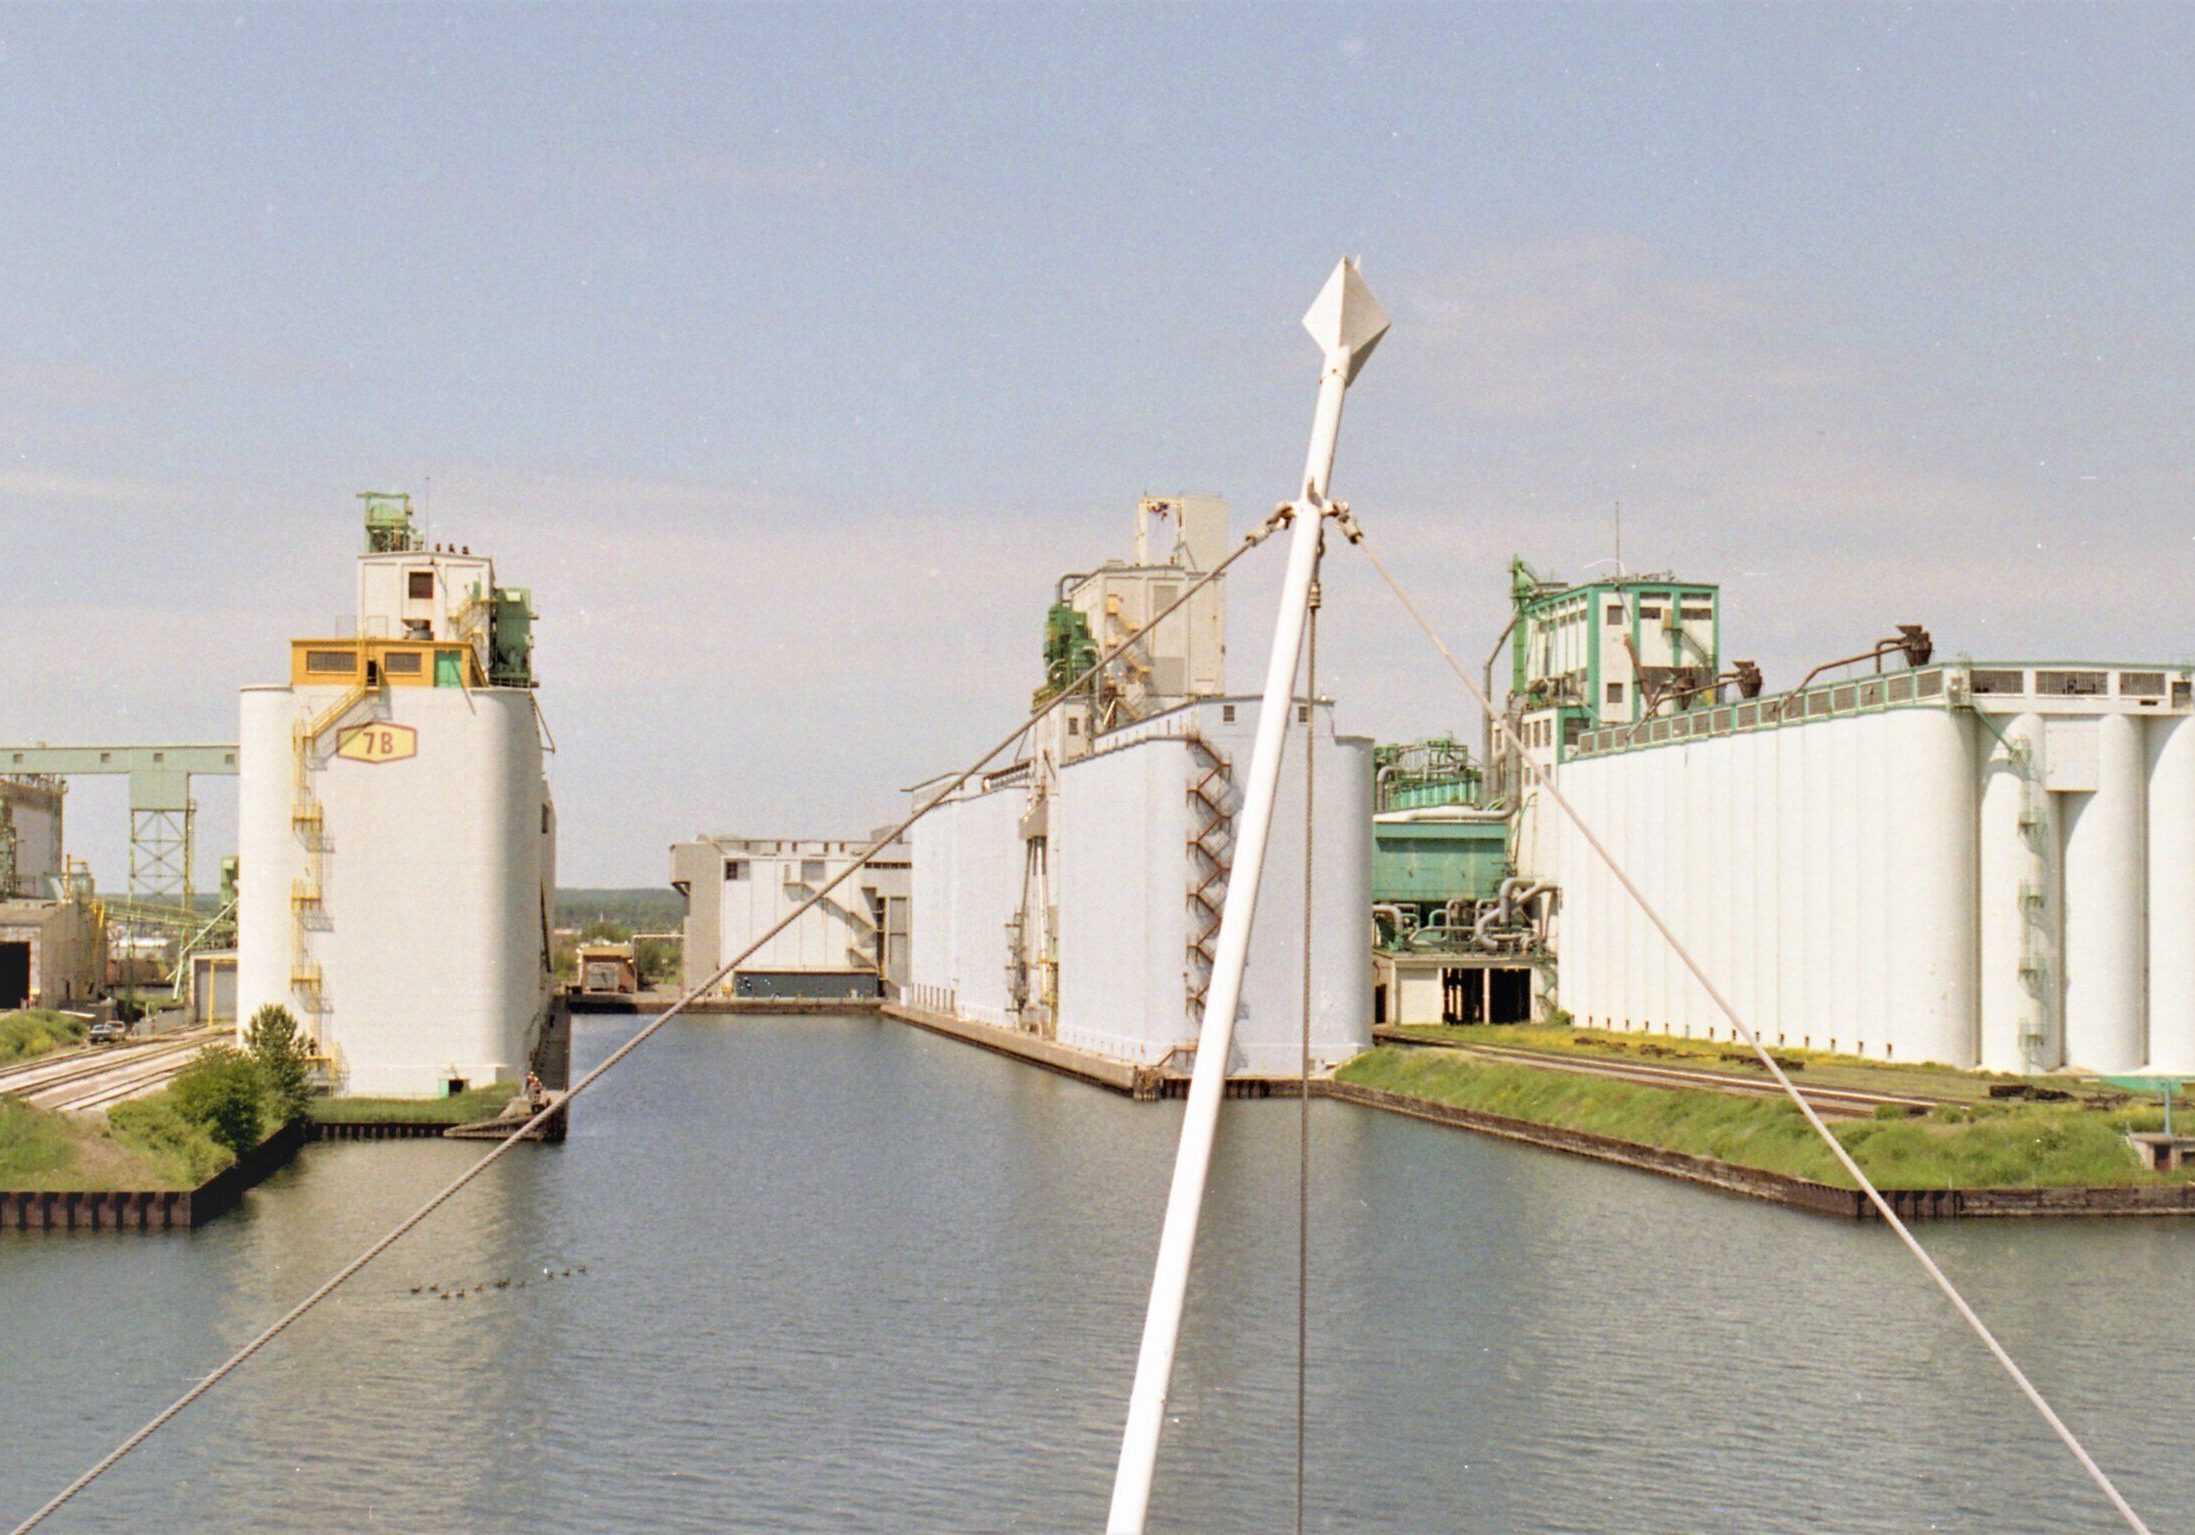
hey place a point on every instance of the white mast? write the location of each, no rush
(1346, 322)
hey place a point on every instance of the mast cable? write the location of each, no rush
(282, 1323)
(1303, 1077)
(1890, 1218)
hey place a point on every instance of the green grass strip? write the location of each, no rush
(1985, 1146)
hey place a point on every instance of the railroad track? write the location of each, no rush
(92, 1079)
(1831, 1102)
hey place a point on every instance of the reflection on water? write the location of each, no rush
(842, 1275)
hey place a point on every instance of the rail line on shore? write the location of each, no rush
(84, 1080)
(1841, 1102)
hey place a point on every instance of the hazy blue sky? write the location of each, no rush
(789, 354)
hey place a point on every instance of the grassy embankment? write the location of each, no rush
(142, 1145)
(1977, 1145)
(217, 1108)
(27, 1034)
(460, 1109)
(1809, 1068)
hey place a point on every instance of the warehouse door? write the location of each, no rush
(14, 975)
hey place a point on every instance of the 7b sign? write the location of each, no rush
(379, 743)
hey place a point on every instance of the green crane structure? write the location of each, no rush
(162, 812)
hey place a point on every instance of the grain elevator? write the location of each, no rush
(1076, 893)
(396, 834)
(1978, 863)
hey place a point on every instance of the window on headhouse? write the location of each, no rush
(419, 583)
(404, 661)
(1615, 692)
(343, 661)
(1615, 615)
(735, 868)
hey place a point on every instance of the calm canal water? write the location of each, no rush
(844, 1276)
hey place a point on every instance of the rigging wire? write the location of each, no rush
(1890, 1218)
(282, 1323)
(1303, 1077)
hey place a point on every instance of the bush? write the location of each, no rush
(223, 1093)
(32, 1144)
(184, 1151)
(23, 1035)
(280, 1056)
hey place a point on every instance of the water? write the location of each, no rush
(845, 1276)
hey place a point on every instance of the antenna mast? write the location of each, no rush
(1346, 322)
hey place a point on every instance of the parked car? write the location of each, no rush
(109, 1031)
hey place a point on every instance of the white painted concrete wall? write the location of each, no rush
(437, 878)
(2171, 864)
(2011, 887)
(385, 603)
(833, 936)
(1120, 829)
(1822, 874)
(968, 858)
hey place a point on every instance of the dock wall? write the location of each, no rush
(152, 1209)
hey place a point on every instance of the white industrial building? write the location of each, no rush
(395, 831)
(1076, 894)
(1979, 864)
(853, 943)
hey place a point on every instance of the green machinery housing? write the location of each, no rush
(1422, 861)
(1070, 649)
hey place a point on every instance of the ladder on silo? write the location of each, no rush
(308, 822)
(1211, 855)
(2034, 898)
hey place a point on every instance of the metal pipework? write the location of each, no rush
(1347, 322)
(1911, 640)
(1486, 691)
(1746, 675)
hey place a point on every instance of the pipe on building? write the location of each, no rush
(1911, 640)
(1486, 690)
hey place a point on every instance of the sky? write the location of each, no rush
(789, 354)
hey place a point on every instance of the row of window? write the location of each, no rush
(1540, 733)
(396, 663)
(812, 870)
(1612, 616)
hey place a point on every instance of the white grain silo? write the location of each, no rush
(1979, 864)
(1076, 895)
(396, 836)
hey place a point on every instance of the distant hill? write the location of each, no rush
(646, 910)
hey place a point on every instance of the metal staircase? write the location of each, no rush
(1211, 855)
(865, 948)
(308, 822)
